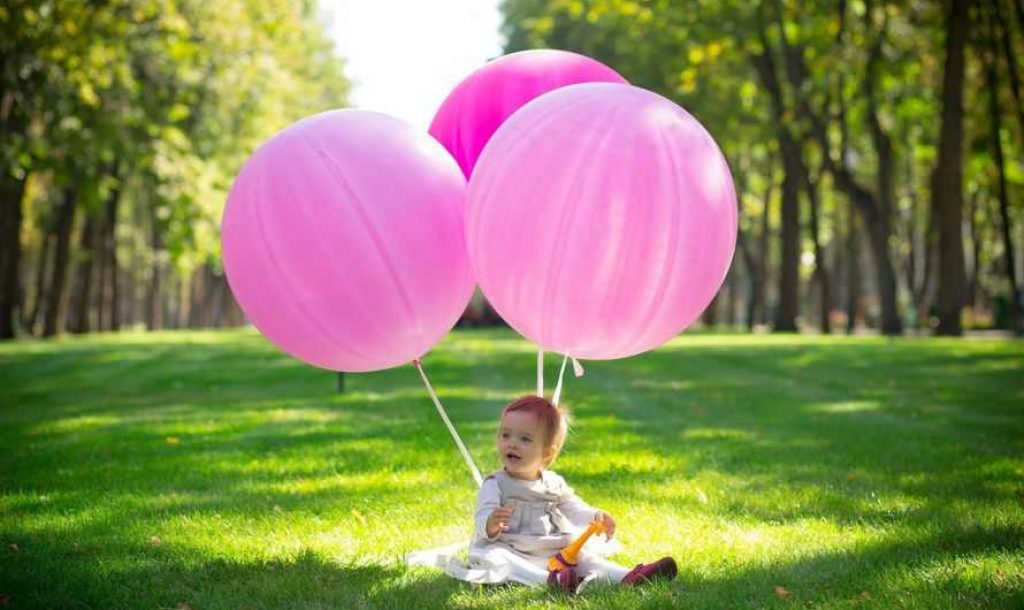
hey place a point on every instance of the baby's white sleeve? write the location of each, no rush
(576, 510)
(487, 500)
(572, 506)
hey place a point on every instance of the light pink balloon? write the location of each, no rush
(343, 241)
(601, 220)
(484, 99)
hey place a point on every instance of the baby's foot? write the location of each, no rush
(646, 572)
(565, 580)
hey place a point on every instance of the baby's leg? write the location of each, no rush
(512, 566)
(530, 571)
(598, 568)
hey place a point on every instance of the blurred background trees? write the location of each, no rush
(876, 146)
(123, 123)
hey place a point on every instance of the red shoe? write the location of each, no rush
(664, 568)
(565, 580)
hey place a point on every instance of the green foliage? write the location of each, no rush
(700, 55)
(174, 92)
(209, 469)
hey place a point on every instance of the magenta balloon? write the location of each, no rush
(343, 241)
(484, 99)
(601, 220)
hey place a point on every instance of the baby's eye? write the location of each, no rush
(504, 435)
(527, 439)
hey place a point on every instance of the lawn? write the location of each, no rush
(206, 470)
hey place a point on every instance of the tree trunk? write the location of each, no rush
(109, 307)
(926, 296)
(880, 222)
(102, 259)
(995, 114)
(40, 283)
(878, 238)
(131, 300)
(875, 210)
(1019, 6)
(764, 254)
(820, 268)
(235, 317)
(730, 309)
(751, 265)
(975, 268)
(209, 295)
(793, 177)
(922, 250)
(852, 270)
(947, 180)
(753, 261)
(154, 309)
(180, 302)
(1011, 60)
(14, 126)
(200, 287)
(789, 242)
(710, 315)
(56, 303)
(221, 288)
(154, 302)
(748, 261)
(12, 191)
(78, 319)
(794, 171)
(110, 238)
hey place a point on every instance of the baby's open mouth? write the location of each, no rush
(511, 457)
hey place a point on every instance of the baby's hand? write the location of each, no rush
(607, 521)
(498, 521)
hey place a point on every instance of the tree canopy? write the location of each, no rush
(130, 118)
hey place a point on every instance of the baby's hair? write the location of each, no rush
(554, 421)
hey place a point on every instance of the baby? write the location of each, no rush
(526, 513)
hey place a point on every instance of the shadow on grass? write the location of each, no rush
(121, 576)
(885, 434)
(134, 576)
(773, 422)
(907, 572)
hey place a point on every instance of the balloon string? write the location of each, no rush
(577, 370)
(447, 422)
(540, 372)
(558, 388)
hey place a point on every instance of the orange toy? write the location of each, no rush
(570, 554)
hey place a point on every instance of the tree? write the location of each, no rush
(990, 56)
(947, 178)
(136, 115)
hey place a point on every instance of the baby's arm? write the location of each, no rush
(488, 500)
(580, 513)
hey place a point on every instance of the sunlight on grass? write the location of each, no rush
(69, 425)
(143, 470)
(718, 434)
(850, 406)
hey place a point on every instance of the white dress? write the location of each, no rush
(547, 516)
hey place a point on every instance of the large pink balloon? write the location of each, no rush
(343, 241)
(480, 103)
(601, 220)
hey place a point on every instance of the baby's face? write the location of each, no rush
(520, 445)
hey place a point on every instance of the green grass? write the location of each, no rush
(207, 469)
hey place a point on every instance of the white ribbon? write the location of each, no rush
(577, 370)
(455, 435)
(540, 372)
